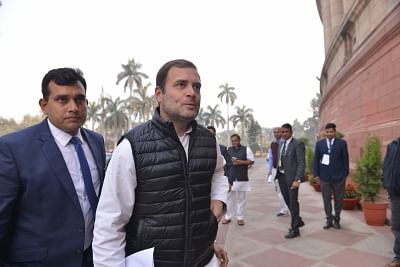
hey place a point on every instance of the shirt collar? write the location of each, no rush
(62, 137)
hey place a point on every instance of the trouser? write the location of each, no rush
(395, 223)
(337, 190)
(240, 205)
(282, 205)
(290, 195)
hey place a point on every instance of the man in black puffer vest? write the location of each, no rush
(165, 186)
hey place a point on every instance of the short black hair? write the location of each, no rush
(287, 126)
(330, 125)
(163, 71)
(62, 76)
(235, 135)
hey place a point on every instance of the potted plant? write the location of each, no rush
(351, 198)
(368, 176)
(315, 183)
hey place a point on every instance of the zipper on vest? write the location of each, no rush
(187, 196)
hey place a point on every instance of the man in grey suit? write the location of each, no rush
(291, 164)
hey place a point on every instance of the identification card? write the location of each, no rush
(325, 159)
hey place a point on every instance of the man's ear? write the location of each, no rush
(43, 105)
(157, 94)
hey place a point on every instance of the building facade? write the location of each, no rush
(360, 78)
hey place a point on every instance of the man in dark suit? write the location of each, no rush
(50, 177)
(331, 167)
(291, 167)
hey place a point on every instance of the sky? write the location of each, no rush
(270, 51)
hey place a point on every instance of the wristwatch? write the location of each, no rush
(299, 181)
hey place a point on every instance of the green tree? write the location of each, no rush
(254, 136)
(146, 103)
(130, 72)
(368, 172)
(116, 120)
(94, 113)
(202, 118)
(213, 116)
(228, 96)
(243, 116)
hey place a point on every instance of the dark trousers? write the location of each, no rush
(337, 190)
(290, 195)
(395, 223)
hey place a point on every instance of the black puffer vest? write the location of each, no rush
(239, 172)
(172, 197)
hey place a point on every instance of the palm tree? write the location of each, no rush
(201, 118)
(132, 75)
(229, 97)
(94, 113)
(117, 120)
(146, 103)
(213, 116)
(244, 116)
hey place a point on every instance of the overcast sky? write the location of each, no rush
(270, 51)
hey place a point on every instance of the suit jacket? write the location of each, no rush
(294, 160)
(338, 168)
(41, 221)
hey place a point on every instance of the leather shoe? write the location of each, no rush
(240, 222)
(328, 224)
(225, 221)
(394, 263)
(292, 233)
(336, 224)
(301, 223)
(282, 214)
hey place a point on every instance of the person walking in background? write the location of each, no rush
(242, 158)
(291, 167)
(228, 159)
(331, 167)
(50, 177)
(272, 165)
(165, 186)
(391, 182)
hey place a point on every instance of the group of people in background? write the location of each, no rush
(165, 188)
(331, 169)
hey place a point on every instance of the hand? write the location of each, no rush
(216, 207)
(295, 184)
(221, 254)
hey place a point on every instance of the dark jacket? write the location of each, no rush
(294, 161)
(239, 172)
(172, 198)
(41, 221)
(338, 168)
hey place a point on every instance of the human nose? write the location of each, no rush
(72, 106)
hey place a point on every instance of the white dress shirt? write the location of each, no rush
(70, 156)
(118, 199)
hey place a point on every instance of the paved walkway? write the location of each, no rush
(261, 242)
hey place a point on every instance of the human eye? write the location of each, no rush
(80, 99)
(197, 86)
(61, 99)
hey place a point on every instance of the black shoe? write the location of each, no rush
(301, 223)
(328, 224)
(336, 224)
(292, 233)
